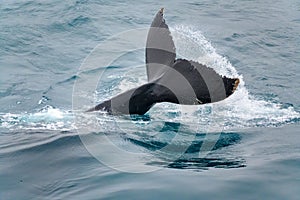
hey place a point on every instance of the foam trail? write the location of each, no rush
(48, 118)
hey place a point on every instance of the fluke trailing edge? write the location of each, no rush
(169, 79)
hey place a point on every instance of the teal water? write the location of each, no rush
(45, 145)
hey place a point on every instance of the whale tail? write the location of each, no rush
(169, 79)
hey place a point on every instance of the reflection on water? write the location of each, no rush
(191, 158)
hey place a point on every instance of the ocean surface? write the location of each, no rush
(59, 58)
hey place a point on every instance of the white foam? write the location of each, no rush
(129, 81)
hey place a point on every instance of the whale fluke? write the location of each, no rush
(171, 80)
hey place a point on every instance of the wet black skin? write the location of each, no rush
(169, 79)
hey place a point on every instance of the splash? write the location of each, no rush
(242, 109)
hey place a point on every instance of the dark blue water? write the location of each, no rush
(244, 147)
